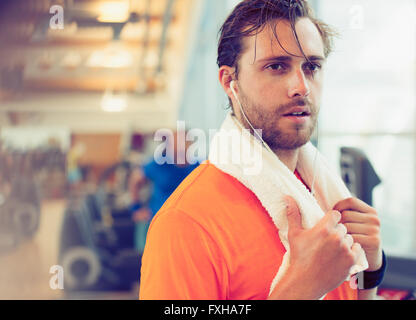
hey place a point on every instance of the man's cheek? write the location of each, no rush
(316, 95)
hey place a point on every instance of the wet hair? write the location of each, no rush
(250, 17)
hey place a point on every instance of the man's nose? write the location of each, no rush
(298, 85)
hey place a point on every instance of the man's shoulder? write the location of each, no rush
(206, 182)
(206, 191)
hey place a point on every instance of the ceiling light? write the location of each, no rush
(113, 11)
(114, 102)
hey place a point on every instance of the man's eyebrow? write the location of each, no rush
(290, 58)
(316, 58)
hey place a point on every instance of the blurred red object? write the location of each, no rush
(391, 294)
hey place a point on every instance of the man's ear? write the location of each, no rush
(226, 75)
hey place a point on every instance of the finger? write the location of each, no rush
(366, 241)
(349, 240)
(341, 229)
(360, 228)
(294, 219)
(353, 204)
(349, 216)
(353, 216)
(332, 218)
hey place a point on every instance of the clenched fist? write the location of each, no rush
(363, 225)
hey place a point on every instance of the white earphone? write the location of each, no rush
(232, 83)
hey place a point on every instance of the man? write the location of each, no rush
(221, 235)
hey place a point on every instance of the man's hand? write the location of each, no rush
(320, 257)
(363, 225)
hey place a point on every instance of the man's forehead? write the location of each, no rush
(281, 41)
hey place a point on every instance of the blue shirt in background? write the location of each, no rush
(166, 178)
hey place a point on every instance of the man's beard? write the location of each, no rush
(267, 121)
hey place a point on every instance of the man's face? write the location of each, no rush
(280, 93)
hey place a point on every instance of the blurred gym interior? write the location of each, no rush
(84, 86)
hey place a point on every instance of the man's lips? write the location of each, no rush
(298, 115)
(297, 112)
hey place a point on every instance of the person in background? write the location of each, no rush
(74, 173)
(164, 179)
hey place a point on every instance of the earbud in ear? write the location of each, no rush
(232, 83)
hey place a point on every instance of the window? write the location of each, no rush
(369, 103)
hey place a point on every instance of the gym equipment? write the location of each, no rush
(358, 174)
(23, 178)
(22, 174)
(401, 273)
(24, 206)
(361, 178)
(97, 239)
(19, 213)
(26, 218)
(9, 238)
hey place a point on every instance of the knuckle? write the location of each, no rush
(350, 201)
(374, 230)
(372, 210)
(374, 220)
(345, 247)
(336, 215)
(337, 239)
(325, 231)
(374, 241)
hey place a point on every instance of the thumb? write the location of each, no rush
(294, 219)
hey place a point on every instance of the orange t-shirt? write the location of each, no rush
(213, 240)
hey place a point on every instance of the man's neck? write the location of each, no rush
(288, 157)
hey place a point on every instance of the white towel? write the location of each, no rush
(245, 158)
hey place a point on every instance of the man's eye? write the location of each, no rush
(276, 67)
(312, 67)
